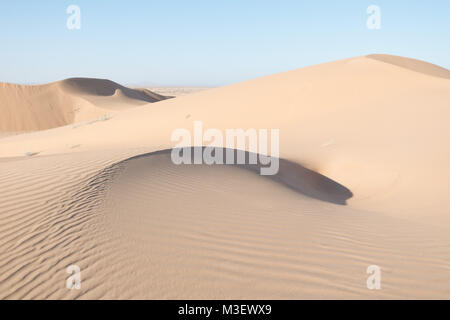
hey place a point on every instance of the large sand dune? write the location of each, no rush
(364, 180)
(30, 108)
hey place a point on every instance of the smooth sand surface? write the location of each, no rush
(364, 180)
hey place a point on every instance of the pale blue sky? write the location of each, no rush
(208, 42)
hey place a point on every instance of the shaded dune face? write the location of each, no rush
(311, 183)
(290, 174)
(104, 87)
(413, 65)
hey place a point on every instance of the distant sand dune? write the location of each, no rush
(32, 108)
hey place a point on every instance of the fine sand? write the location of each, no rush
(364, 180)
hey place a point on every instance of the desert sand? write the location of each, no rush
(31, 108)
(364, 180)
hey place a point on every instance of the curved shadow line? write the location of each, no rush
(290, 174)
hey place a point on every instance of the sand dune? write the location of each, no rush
(31, 108)
(372, 126)
(363, 180)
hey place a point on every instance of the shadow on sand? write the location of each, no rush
(290, 174)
